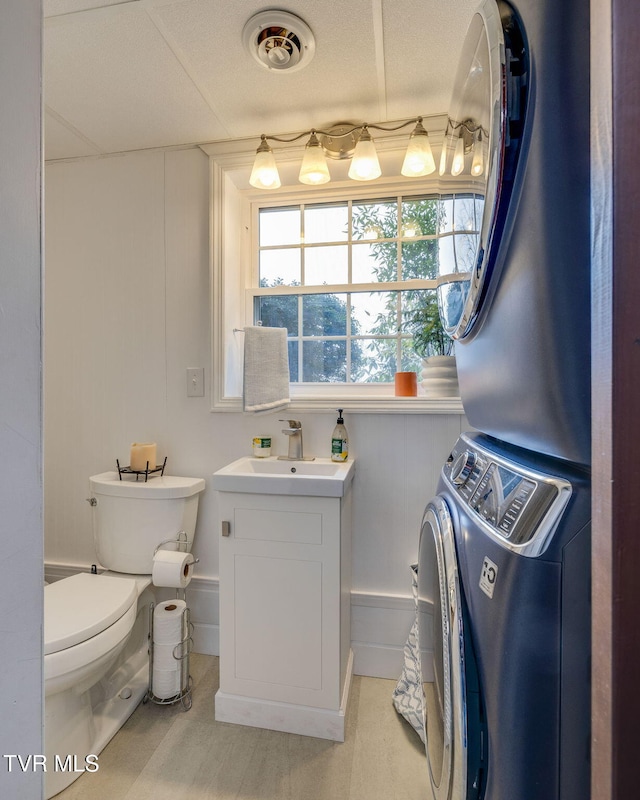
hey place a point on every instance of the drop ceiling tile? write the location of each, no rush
(62, 142)
(114, 79)
(339, 83)
(429, 35)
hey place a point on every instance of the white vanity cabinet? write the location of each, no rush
(285, 570)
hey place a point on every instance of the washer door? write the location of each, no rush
(452, 718)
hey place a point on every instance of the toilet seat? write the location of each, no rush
(78, 608)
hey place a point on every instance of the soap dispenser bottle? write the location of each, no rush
(339, 440)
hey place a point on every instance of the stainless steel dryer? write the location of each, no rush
(504, 621)
(520, 310)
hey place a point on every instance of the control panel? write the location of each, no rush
(513, 501)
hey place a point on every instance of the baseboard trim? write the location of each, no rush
(394, 602)
(206, 638)
(377, 660)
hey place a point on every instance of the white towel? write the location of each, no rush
(266, 369)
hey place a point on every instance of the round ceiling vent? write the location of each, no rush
(279, 40)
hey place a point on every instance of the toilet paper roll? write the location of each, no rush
(167, 622)
(172, 569)
(166, 655)
(168, 635)
(166, 683)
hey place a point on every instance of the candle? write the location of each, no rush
(406, 384)
(141, 453)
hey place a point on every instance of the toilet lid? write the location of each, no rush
(82, 606)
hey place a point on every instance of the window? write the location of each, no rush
(346, 277)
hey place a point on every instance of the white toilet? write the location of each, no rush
(96, 626)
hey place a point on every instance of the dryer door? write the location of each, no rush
(452, 717)
(485, 134)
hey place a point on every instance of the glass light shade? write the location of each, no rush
(264, 174)
(418, 160)
(314, 169)
(442, 168)
(458, 157)
(477, 164)
(365, 165)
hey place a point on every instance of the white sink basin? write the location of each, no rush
(319, 478)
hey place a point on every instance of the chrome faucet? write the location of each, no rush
(294, 432)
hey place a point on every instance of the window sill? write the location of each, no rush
(361, 405)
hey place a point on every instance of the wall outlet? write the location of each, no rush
(195, 382)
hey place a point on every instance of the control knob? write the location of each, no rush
(462, 467)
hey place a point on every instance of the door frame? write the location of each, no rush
(615, 96)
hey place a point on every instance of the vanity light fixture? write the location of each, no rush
(340, 142)
(470, 139)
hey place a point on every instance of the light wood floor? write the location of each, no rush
(165, 753)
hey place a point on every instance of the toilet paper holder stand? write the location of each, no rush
(181, 652)
(182, 649)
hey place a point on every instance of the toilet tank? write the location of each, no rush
(131, 518)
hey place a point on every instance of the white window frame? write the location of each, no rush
(233, 254)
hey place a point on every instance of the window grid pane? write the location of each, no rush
(356, 336)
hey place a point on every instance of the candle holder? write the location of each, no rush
(138, 472)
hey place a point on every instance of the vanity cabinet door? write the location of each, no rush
(280, 598)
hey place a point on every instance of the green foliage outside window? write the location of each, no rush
(323, 315)
(417, 310)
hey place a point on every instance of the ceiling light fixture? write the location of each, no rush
(340, 142)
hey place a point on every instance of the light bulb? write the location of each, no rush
(418, 160)
(264, 174)
(365, 165)
(314, 169)
(458, 157)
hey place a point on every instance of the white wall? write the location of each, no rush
(20, 398)
(127, 312)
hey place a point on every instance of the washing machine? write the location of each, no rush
(519, 308)
(503, 625)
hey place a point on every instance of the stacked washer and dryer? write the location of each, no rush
(504, 557)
